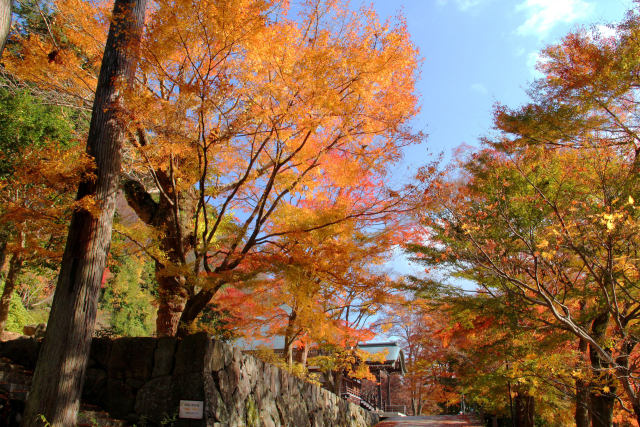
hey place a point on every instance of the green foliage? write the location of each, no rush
(32, 16)
(19, 316)
(128, 297)
(26, 121)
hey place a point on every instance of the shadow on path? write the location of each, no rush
(431, 421)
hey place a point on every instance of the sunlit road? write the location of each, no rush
(432, 421)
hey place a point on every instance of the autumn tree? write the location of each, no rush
(544, 228)
(421, 325)
(326, 284)
(243, 116)
(39, 169)
(58, 378)
(316, 288)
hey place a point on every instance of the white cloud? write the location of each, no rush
(463, 5)
(606, 31)
(480, 88)
(544, 15)
(533, 58)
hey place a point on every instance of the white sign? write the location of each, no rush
(191, 409)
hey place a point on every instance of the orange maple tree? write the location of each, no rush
(247, 123)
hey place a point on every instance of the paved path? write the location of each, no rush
(431, 421)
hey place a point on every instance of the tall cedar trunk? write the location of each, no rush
(59, 374)
(582, 394)
(600, 403)
(525, 410)
(5, 22)
(15, 265)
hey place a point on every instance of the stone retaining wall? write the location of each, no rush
(143, 380)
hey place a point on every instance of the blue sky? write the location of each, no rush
(477, 53)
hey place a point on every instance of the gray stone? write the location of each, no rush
(101, 351)
(193, 354)
(132, 358)
(120, 398)
(164, 356)
(154, 401)
(217, 356)
(23, 351)
(95, 386)
(215, 407)
(188, 387)
(142, 380)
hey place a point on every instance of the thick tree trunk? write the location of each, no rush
(5, 22)
(289, 337)
(582, 394)
(176, 244)
(59, 374)
(15, 265)
(304, 354)
(582, 404)
(193, 308)
(525, 410)
(601, 403)
(172, 298)
(602, 409)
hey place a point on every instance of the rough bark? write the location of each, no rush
(602, 409)
(5, 22)
(15, 265)
(194, 307)
(172, 297)
(176, 244)
(601, 403)
(582, 395)
(59, 373)
(525, 410)
(289, 337)
(304, 355)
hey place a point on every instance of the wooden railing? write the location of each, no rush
(366, 400)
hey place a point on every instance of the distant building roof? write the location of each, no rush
(394, 359)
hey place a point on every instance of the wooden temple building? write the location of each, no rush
(370, 395)
(373, 396)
